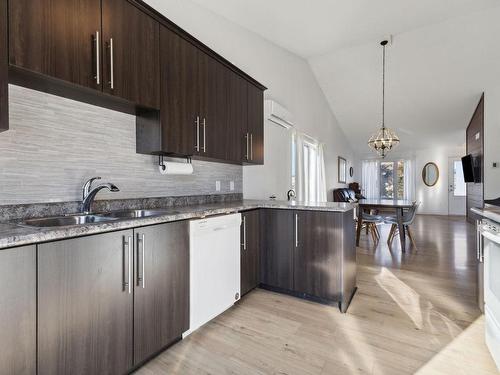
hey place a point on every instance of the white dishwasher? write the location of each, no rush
(214, 267)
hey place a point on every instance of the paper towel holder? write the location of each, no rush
(162, 166)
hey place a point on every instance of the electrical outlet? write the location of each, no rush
(231, 185)
(217, 185)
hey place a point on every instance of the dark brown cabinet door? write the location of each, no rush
(180, 120)
(223, 110)
(161, 305)
(18, 311)
(211, 83)
(237, 116)
(85, 307)
(318, 254)
(250, 251)
(277, 248)
(131, 55)
(57, 38)
(255, 125)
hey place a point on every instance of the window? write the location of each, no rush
(392, 179)
(310, 171)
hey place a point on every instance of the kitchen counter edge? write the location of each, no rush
(14, 235)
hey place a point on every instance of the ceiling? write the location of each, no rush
(435, 78)
(444, 55)
(311, 28)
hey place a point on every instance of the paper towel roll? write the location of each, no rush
(169, 167)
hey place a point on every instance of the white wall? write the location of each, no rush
(289, 79)
(492, 141)
(434, 200)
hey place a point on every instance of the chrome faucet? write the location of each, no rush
(290, 194)
(89, 193)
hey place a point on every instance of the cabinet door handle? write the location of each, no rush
(296, 230)
(251, 146)
(197, 144)
(141, 277)
(111, 65)
(478, 239)
(247, 155)
(204, 134)
(127, 269)
(244, 233)
(97, 59)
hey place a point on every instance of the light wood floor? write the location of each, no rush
(413, 313)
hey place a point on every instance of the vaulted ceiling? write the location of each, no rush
(445, 53)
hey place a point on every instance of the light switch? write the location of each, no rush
(231, 185)
(217, 185)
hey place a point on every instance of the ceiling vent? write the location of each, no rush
(278, 114)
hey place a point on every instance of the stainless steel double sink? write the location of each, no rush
(80, 219)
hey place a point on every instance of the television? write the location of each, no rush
(472, 169)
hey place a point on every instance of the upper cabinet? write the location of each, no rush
(57, 38)
(254, 137)
(131, 56)
(204, 105)
(180, 123)
(122, 55)
(114, 48)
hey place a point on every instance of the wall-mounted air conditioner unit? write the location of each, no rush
(278, 114)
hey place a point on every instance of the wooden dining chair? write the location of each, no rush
(370, 222)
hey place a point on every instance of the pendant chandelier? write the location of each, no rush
(385, 139)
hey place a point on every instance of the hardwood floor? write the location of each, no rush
(413, 313)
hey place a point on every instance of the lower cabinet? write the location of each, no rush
(85, 305)
(277, 248)
(318, 254)
(18, 311)
(110, 301)
(250, 250)
(161, 305)
(309, 253)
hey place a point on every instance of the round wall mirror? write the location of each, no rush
(430, 174)
(351, 172)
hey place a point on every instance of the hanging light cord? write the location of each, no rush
(383, 87)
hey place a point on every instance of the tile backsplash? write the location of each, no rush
(54, 144)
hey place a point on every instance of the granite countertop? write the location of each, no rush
(488, 212)
(13, 234)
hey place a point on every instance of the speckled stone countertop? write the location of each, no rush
(14, 235)
(492, 213)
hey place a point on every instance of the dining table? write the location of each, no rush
(396, 205)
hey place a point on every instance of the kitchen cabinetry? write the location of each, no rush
(18, 310)
(115, 50)
(250, 251)
(109, 302)
(206, 102)
(122, 55)
(161, 296)
(4, 67)
(179, 130)
(57, 38)
(253, 134)
(318, 261)
(85, 305)
(310, 254)
(277, 248)
(131, 56)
